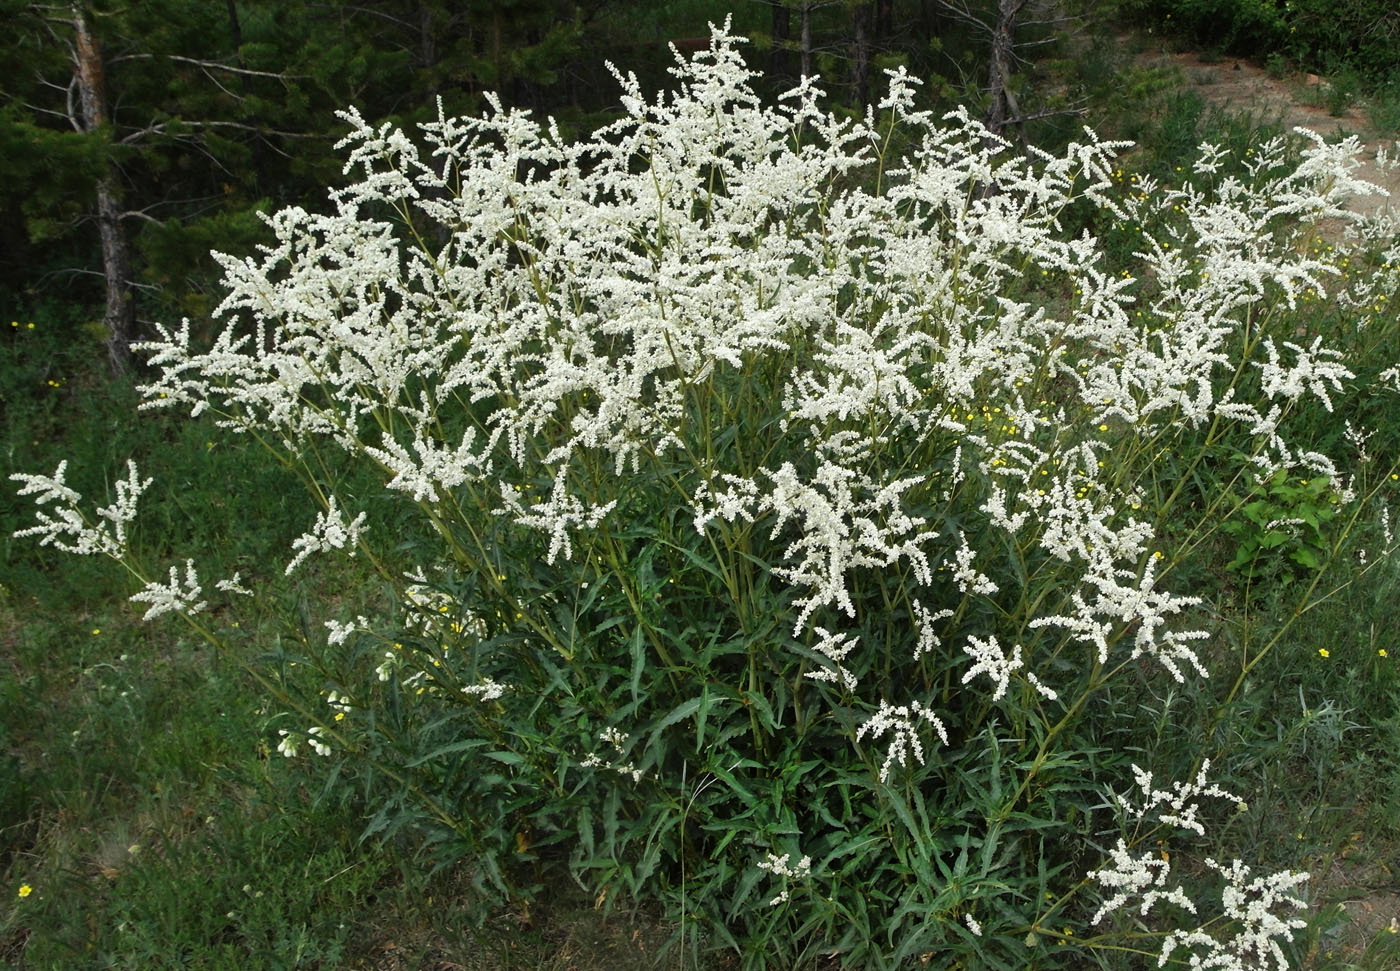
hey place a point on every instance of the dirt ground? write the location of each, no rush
(1295, 102)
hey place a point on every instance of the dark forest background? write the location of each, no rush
(137, 136)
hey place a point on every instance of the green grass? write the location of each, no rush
(142, 803)
(1383, 108)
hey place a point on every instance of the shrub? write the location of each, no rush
(1320, 35)
(793, 506)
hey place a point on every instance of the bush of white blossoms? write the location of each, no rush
(822, 482)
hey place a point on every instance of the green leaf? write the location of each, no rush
(462, 745)
(701, 714)
(760, 705)
(682, 711)
(637, 647)
(1306, 556)
(917, 833)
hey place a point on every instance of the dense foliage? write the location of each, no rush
(1318, 35)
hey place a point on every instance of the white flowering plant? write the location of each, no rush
(791, 503)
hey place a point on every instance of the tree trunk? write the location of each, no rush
(119, 316)
(1000, 108)
(860, 53)
(884, 20)
(806, 40)
(430, 27)
(235, 29)
(778, 59)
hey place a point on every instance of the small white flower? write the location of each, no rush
(899, 723)
(1178, 805)
(179, 595)
(969, 580)
(233, 585)
(784, 867)
(614, 737)
(834, 647)
(925, 621)
(992, 661)
(341, 632)
(66, 528)
(1315, 370)
(313, 738)
(288, 745)
(485, 690)
(1143, 877)
(387, 666)
(330, 532)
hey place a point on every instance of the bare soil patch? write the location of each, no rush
(1293, 102)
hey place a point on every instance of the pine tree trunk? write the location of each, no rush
(778, 65)
(806, 40)
(860, 53)
(999, 75)
(235, 29)
(119, 317)
(427, 49)
(884, 20)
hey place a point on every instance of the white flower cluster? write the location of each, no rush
(484, 690)
(331, 532)
(618, 741)
(835, 648)
(179, 595)
(66, 528)
(233, 585)
(1250, 907)
(1126, 599)
(998, 666)
(63, 526)
(575, 299)
(340, 631)
(925, 621)
(1252, 929)
(1178, 806)
(899, 722)
(290, 742)
(782, 866)
(1141, 878)
(1316, 369)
